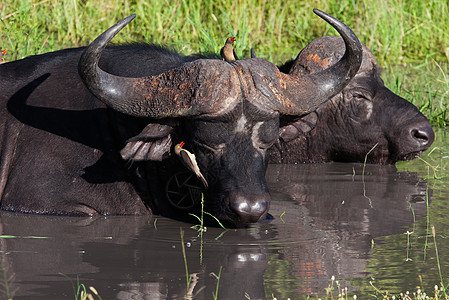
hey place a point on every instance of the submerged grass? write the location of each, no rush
(200, 227)
(438, 261)
(192, 279)
(5, 281)
(335, 291)
(217, 277)
(406, 36)
(80, 291)
(188, 277)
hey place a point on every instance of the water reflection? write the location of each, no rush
(333, 213)
(331, 216)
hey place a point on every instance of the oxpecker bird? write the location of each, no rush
(2, 52)
(189, 160)
(228, 52)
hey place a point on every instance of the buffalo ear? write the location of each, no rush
(153, 143)
(299, 127)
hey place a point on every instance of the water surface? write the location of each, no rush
(333, 219)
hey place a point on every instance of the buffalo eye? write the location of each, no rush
(361, 107)
(359, 95)
(362, 89)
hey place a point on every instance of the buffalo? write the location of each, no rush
(365, 117)
(90, 131)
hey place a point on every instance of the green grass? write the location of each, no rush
(425, 84)
(396, 31)
(407, 34)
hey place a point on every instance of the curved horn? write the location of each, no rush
(182, 91)
(300, 95)
(197, 87)
(95, 78)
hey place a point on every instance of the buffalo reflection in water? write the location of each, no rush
(331, 216)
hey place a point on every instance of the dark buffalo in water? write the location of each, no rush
(65, 152)
(363, 115)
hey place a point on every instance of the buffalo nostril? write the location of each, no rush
(423, 135)
(249, 210)
(420, 135)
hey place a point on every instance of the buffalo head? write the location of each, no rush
(226, 113)
(363, 115)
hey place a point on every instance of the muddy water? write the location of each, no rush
(328, 220)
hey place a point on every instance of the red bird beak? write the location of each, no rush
(233, 39)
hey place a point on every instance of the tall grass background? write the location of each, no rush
(410, 38)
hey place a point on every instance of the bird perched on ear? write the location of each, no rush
(189, 160)
(228, 52)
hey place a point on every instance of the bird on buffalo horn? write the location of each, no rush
(228, 52)
(2, 52)
(189, 160)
